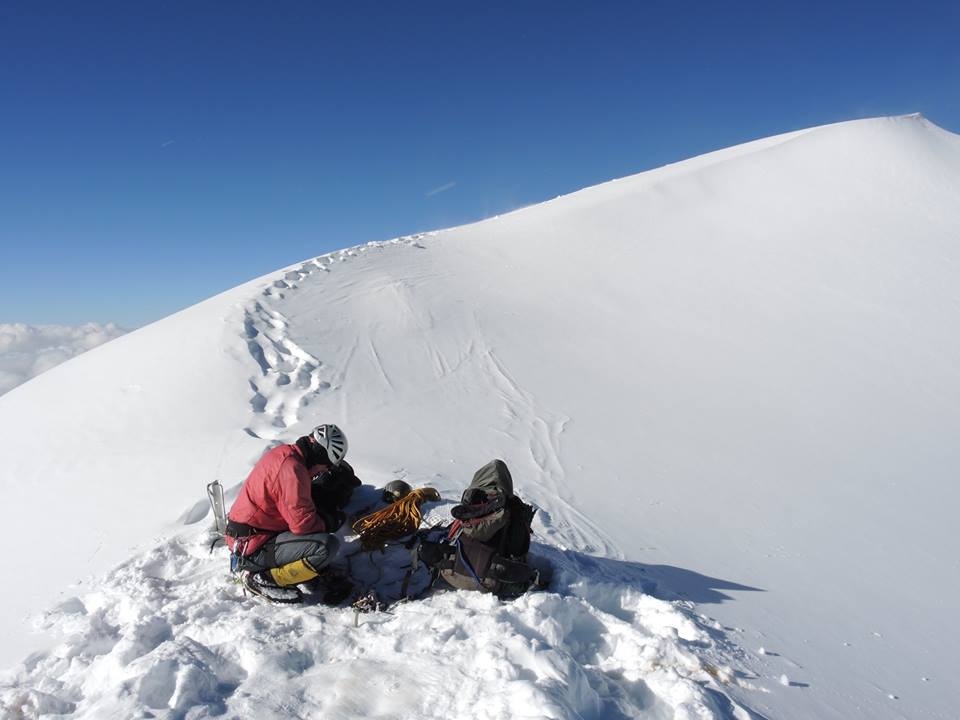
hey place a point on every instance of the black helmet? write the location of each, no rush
(395, 489)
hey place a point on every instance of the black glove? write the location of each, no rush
(332, 519)
(334, 487)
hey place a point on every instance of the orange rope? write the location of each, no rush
(394, 521)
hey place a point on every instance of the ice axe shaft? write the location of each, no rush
(215, 495)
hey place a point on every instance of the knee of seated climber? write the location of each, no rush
(309, 566)
(324, 554)
(332, 546)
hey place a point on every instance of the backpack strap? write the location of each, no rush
(456, 527)
(464, 562)
(507, 527)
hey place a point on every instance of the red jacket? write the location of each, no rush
(276, 497)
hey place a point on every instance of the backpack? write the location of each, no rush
(485, 548)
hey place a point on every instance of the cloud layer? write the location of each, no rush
(28, 350)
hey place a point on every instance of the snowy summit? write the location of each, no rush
(729, 384)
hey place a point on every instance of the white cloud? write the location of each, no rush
(442, 188)
(28, 350)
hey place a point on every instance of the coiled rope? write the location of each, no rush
(395, 521)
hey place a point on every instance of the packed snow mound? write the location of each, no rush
(28, 350)
(735, 375)
(168, 633)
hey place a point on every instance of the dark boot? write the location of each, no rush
(263, 585)
(330, 587)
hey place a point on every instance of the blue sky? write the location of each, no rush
(153, 154)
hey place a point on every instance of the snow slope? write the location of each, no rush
(730, 384)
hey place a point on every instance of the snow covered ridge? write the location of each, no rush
(28, 350)
(729, 384)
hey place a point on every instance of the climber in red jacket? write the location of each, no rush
(280, 528)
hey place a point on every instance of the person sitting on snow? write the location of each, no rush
(280, 528)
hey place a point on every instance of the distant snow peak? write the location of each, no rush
(28, 350)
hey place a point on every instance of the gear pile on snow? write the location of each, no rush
(486, 547)
(397, 520)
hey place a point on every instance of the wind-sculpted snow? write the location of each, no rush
(167, 634)
(289, 376)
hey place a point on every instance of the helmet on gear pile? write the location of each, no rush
(395, 489)
(331, 439)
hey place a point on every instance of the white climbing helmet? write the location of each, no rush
(331, 439)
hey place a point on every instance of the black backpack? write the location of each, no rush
(485, 547)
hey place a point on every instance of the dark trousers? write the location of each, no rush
(316, 549)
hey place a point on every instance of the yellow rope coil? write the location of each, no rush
(394, 521)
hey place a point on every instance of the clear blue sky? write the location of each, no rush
(153, 154)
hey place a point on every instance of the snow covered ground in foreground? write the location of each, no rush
(167, 633)
(729, 384)
(28, 350)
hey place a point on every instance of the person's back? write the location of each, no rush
(276, 498)
(278, 536)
